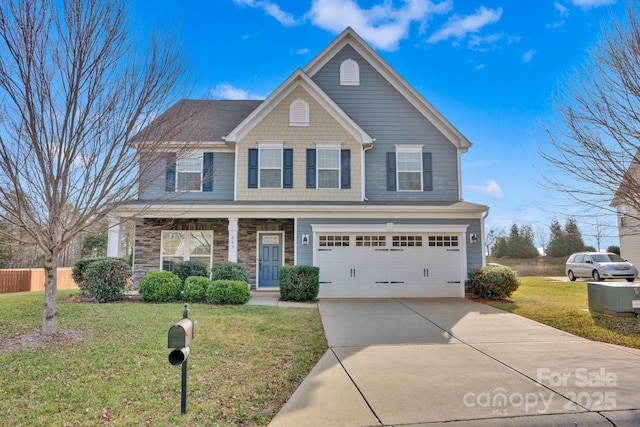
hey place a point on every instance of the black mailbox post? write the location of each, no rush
(179, 339)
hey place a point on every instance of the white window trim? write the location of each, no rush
(328, 146)
(199, 154)
(412, 149)
(187, 237)
(271, 145)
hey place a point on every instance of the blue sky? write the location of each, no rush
(491, 67)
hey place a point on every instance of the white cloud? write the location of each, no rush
(303, 51)
(491, 189)
(383, 25)
(230, 92)
(562, 9)
(459, 26)
(528, 55)
(588, 4)
(491, 41)
(480, 67)
(272, 9)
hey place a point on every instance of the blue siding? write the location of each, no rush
(387, 116)
(474, 252)
(223, 180)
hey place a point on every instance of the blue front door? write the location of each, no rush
(270, 259)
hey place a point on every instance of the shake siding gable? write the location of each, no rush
(323, 128)
(387, 115)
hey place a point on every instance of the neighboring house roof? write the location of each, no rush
(299, 78)
(350, 37)
(197, 120)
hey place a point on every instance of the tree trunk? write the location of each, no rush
(50, 315)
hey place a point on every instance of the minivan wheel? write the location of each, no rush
(572, 277)
(596, 276)
(630, 279)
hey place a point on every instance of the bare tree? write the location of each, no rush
(597, 137)
(75, 84)
(542, 237)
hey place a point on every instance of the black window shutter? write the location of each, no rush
(391, 171)
(345, 168)
(253, 168)
(287, 169)
(207, 172)
(311, 168)
(427, 178)
(170, 176)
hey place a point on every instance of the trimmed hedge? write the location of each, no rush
(299, 282)
(493, 281)
(195, 288)
(185, 269)
(229, 271)
(160, 286)
(77, 272)
(106, 279)
(228, 292)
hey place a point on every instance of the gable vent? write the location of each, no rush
(299, 113)
(349, 73)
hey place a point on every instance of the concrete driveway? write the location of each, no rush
(454, 361)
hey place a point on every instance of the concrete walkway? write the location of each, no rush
(414, 362)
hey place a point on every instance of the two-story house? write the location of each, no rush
(344, 166)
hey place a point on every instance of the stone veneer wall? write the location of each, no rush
(148, 238)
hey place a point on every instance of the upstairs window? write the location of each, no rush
(409, 166)
(328, 167)
(270, 166)
(349, 73)
(409, 169)
(189, 172)
(299, 113)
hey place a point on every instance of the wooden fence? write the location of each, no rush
(32, 279)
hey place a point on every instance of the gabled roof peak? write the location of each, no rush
(350, 37)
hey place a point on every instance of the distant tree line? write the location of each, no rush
(520, 242)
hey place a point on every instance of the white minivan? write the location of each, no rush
(600, 266)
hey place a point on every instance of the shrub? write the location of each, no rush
(228, 292)
(78, 272)
(493, 281)
(195, 288)
(106, 279)
(299, 283)
(160, 286)
(186, 269)
(614, 249)
(229, 271)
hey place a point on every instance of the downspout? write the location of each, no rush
(484, 256)
(362, 168)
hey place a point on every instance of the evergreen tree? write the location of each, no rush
(574, 237)
(557, 241)
(518, 244)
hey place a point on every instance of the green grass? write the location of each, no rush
(564, 305)
(244, 364)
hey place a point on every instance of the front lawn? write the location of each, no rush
(564, 305)
(244, 364)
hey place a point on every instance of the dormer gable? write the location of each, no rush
(297, 79)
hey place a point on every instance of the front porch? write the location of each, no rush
(160, 243)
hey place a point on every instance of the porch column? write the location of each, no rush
(233, 239)
(114, 238)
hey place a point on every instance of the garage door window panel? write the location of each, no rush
(371, 241)
(443, 241)
(333, 241)
(407, 241)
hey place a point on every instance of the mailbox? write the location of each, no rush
(180, 336)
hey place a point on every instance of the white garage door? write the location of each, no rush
(389, 264)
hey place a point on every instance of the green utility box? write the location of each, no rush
(617, 298)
